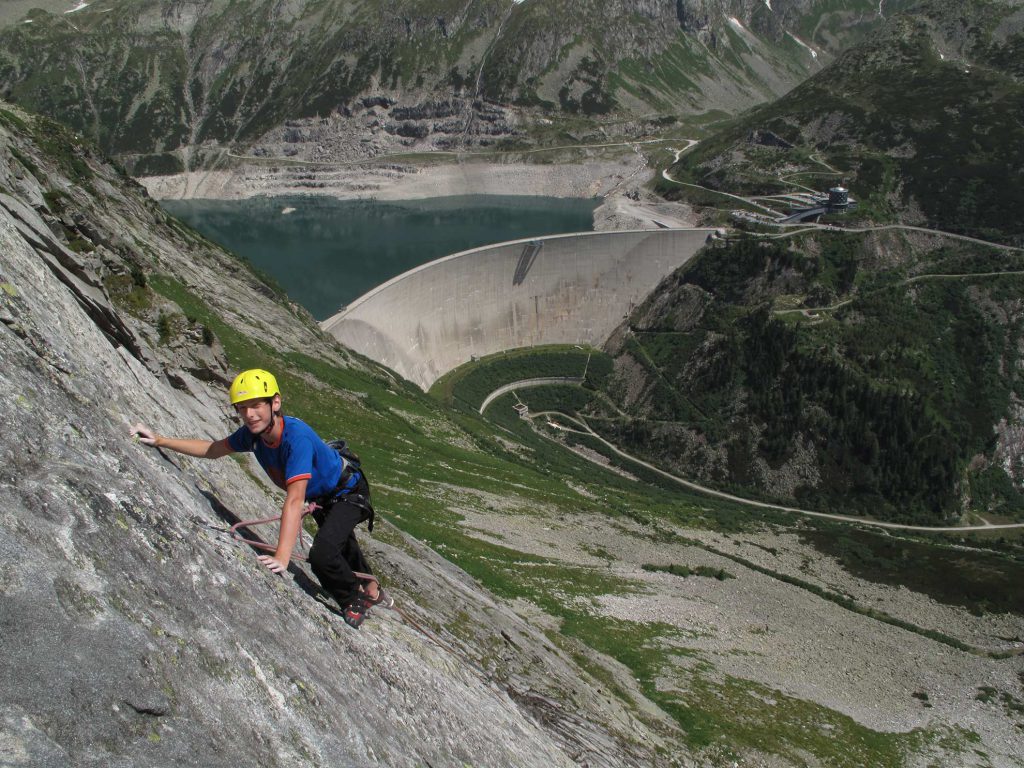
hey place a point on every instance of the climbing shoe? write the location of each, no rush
(355, 612)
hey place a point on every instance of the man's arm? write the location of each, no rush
(291, 521)
(203, 449)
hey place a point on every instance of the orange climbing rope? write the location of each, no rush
(256, 544)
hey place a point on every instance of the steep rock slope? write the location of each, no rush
(154, 83)
(134, 632)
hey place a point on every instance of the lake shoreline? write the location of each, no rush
(399, 181)
(620, 183)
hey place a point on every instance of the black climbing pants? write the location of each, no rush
(335, 553)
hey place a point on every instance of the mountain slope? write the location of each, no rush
(596, 56)
(134, 630)
(895, 394)
(875, 373)
(160, 84)
(924, 121)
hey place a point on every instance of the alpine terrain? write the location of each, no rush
(774, 519)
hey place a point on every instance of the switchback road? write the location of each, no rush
(584, 429)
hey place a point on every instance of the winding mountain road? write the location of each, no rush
(585, 429)
(807, 227)
(526, 383)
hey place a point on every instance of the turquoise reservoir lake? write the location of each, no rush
(326, 252)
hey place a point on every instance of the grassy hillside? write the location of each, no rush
(924, 122)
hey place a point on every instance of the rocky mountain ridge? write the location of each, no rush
(165, 86)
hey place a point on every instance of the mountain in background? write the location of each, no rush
(924, 121)
(871, 371)
(163, 85)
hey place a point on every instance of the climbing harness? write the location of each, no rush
(312, 507)
(236, 536)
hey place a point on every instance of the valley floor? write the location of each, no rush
(759, 641)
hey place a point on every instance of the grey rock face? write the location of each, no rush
(132, 631)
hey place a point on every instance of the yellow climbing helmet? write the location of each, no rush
(248, 385)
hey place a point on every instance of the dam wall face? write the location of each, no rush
(563, 289)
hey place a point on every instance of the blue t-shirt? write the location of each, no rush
(301, 454)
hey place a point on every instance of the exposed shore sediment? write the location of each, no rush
(626, 204)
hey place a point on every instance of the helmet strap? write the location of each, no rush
(267, 433)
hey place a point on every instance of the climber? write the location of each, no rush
(309, 470)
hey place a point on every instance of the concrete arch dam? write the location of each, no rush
(563, 289)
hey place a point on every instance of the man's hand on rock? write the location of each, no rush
(272, 563)
(146, 435)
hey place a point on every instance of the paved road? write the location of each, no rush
(437, 153)
(525, 384)
(586, 430)
(805, 227)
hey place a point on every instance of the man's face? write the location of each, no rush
(255, 413)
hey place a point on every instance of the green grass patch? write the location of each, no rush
(723, 717)
(26, 161)
(14, 121)
(468, 385)
(981, 581)
(126, 293)
(685, 571)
